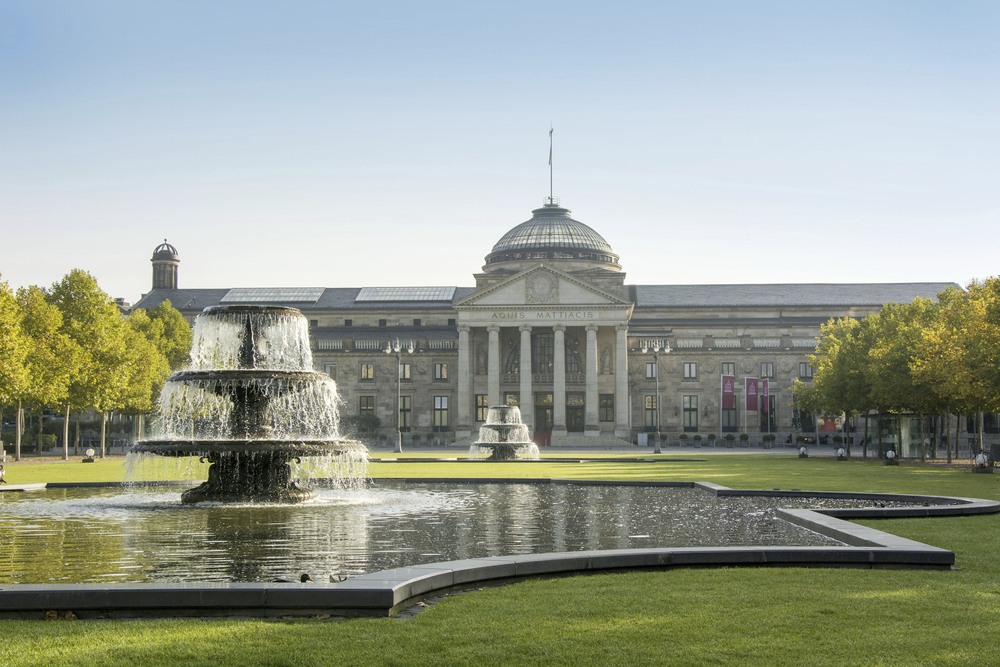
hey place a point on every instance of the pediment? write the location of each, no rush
(541, 286)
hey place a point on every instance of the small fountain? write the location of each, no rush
(504, 437)
(249, 404)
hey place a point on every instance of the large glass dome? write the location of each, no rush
(552, 234)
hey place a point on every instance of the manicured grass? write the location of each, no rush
(751, 616)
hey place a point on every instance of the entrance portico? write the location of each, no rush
(537, 338)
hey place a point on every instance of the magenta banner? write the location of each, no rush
(728, 392)
(752, 394)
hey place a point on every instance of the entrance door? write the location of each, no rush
(574, 419)
(543, 420)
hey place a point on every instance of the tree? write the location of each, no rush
(13, 350)
(147, 364)
(959, 352)
(53, 358)
(175, 341)
(91, 319)
(841, 377)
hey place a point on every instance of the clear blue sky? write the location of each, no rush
(392, 143)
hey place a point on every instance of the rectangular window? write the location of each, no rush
(366, 405)
(649, 412)
(728, 368)
(383, 323)
(767, 369)
(440, 371)
(404, 371)
(482, 407)
(690, 370)
(730, 421)
(331, 370)
(690, 404)
(348, 323)
(606, 406)
(367, 371)
(440, 414)
(404, 413)
(650, 370)
(451, 323)
(416, 323)
(314, 323)
(805, 370)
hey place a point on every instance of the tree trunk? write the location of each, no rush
(864, 443)
(958, 427)
(847, 434)
(41, 423)
(899, 436)
(66, 433)
(19, 427)
(104, 431)
(76, 440)
(923, 443)
(982, 448)
(946, 430)
(878, 434)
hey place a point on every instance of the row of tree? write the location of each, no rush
(70, 348)
(921, 358)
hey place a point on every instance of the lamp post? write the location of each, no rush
(656, 376)
(397, 347)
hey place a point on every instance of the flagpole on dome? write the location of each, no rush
(552, 199)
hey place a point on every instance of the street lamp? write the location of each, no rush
(390, 347)
(656, 376)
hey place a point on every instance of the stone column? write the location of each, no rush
(559, 382)
(463, 425)
(527, 398)
(591, 425)
(493, 381)
(622, 428)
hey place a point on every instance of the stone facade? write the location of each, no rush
(563, 310)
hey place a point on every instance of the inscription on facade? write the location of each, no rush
(544, 315)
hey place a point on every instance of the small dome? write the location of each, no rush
(552, 234)
(165, 251)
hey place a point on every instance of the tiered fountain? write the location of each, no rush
(503, 436)
(249, 404)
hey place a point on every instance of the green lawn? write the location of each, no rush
(787, 616)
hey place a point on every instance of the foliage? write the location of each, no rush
(922, 357)
(54, 358)
(13, 348)
(165, 328)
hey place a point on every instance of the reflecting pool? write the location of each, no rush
(92, 535)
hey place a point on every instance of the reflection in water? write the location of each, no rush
(107, 535)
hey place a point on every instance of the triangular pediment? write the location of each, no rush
(541, 286)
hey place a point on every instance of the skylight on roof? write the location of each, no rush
(273, 295)
(405, 294)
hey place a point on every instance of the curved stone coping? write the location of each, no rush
(386, 592)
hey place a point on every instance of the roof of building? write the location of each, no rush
(166, 251)
(789, 294)
(552, 227)
(646, 296)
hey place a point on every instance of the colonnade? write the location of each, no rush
(526, 381)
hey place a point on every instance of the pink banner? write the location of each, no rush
(752, 394)
(728, 392)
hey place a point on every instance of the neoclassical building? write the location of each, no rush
(552, 326)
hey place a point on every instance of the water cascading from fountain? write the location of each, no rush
(504, 437)
(249, 405)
